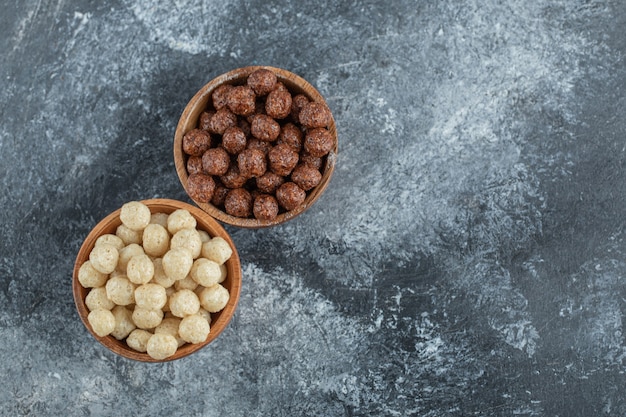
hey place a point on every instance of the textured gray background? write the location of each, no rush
(467, 259)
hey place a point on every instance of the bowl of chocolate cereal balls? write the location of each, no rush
(256, 146)
(156, 280)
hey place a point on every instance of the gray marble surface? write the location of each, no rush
(467, 259)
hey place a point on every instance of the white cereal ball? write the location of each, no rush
(104, 258)
(203, 313)
(90, 277)
(223, 273)
(102, 322)
(123, 322)
(135, 215)
(180, 219)
(177, 263)
(214, 299)
(206, 272)
(188, 239)
(156, 240)
(204, 236)
(140, 269)
(110, 239)
(217, 249)
(150, 296)
(138, 340)
(161, 346)
(147, 319)
(184, 303)
(159, 275)
(186, 283)
(170, 326)
(126, 253)
(120, 290)
(159, 218)
(128, 235)
(97, 300)
(194, 329)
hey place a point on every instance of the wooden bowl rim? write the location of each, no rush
(198, 103)
(219, 321)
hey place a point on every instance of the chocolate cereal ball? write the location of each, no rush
(251, 163)
(215, 161)
(306, 177)
(290, 196)
(241, 100)
(196, 141)
(315, 161)
(201, 187)
(262, 81)
(204, 121)
(278, 104)
(234, 140)
(222, 120)
(219, 96)
(194, 165)
(283, 159)
(254, 143)
(297, 102)
(318, 142)
(233, 178)
(265, 128)
(219, 194)
(291, 135)
(265, 207)
(269, 182)
(314, 114)
(238, 203)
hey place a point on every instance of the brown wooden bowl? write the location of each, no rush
(219, 320)
(198, 104)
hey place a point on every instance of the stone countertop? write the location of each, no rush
(467, 258)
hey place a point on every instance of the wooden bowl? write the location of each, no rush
(198, 104)
(219, 320)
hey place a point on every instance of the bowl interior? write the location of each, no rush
(198, 104)
(219, 320)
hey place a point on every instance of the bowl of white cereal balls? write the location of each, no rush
(256, 146)
(156, 280)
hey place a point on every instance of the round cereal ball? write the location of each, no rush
(251, 163)
(177, 263)
(220, 194)
(278, 104)
(233, 177)
(269, 182)
(120, 290)
(291, 135)
(215, 161)
(318, 142)
(234, 140)
(264, 128)
(263, 146)
(159, 218)
(150, 296)
(102, 322)
(205, 272)
(297, 102)
(170, 326)
(314, 114)
(306, 176)
(97, 300)
(138, 340)
(111, 240)
(204, 236)
(314, 161)
(186, 283)
(180, 219)
(241, 100)
(203, 313)
(156, 240)
(187, 239)
(135, 215)
(222, 120)
(90, 277)
(140, 269)
(262, 81)
(194, 329)
(196, 142)
(128, 235)
(184, 303)
(204, 120)
(219, 96)
(161, 346)
(159, 275)
(224, 273)
(147, 319)
(214, 299)
(217, 250)
(123, 322)
(265, 207)
(283, 159)
(104, 258)
(194, 165)
(238, 202)
(126, 253)
(290, 196)
(201, 187)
